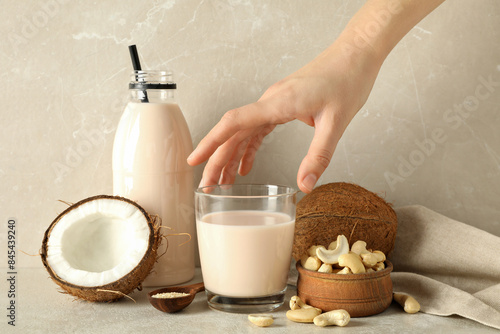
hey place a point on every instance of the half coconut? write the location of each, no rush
(101, 248)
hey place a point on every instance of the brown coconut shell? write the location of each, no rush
(117, 289)
(344, 208)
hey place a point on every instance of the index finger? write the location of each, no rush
(251, 116)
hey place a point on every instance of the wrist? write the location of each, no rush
(380, 24)
(355, 51)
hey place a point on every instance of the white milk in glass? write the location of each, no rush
(245, 253)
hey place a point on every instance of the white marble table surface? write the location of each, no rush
(42, 309)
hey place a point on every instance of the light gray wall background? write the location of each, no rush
(429, 133)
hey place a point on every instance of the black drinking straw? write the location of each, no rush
(136, 63)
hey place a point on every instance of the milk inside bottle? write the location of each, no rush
(152, 143)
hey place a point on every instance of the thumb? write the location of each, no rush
(317, 159)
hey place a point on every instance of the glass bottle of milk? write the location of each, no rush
(152, 143)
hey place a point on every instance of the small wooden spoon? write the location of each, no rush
(178, 303)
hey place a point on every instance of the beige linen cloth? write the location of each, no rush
(449, 267)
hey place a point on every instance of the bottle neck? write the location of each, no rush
(152, 96)
(152, 87)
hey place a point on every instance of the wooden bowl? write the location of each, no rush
(359, 294)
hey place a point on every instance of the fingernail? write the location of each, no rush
(190, 156)
(201, 183)
(309, 182)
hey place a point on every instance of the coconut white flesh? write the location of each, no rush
(98, 242)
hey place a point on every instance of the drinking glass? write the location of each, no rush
(245, 238)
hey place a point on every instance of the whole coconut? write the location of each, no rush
(344, 208)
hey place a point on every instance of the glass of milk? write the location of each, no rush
(245, 238)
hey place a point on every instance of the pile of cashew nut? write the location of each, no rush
(302, 312)
(339, 259)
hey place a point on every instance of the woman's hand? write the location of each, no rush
(325, 94)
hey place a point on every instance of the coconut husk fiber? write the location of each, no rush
(344, 208)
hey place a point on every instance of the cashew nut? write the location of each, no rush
(380, 254)
(370, 259)
(359, 247)
(303, 314)
(312, 250)
(409, 303)
(352, 261)
(331, 256)
(332, 245)
(336, 317)
(261, 320)
(345, 271)
(297, 303)
(325, 268)
(312, 263)
(379, 266)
